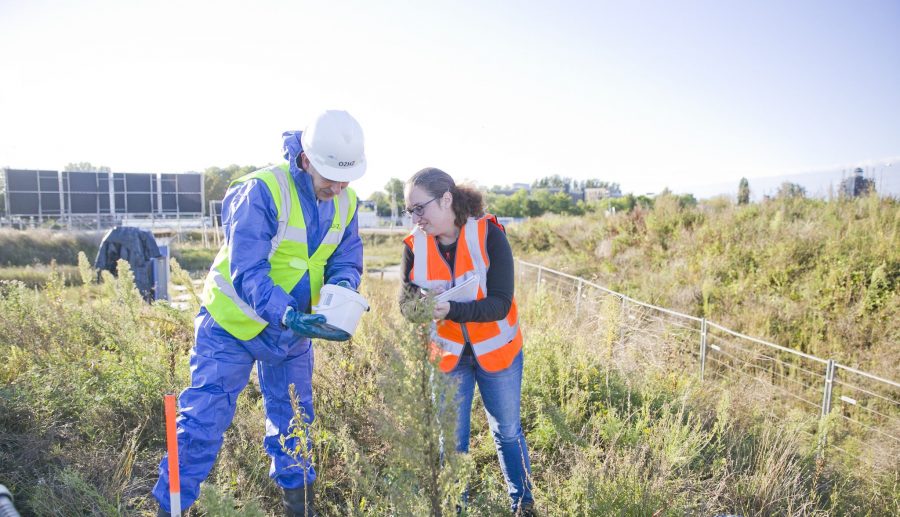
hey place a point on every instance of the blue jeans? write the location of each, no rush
(501, 393)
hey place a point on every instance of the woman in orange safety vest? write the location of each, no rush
(478, 341)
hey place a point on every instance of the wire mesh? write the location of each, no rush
(788, 374)
(864, 427)
(867, 418)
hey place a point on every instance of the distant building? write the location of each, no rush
(504, 191)
(510, 190)
(576, 196)
(595, 194)
(551, 190)
(506, 221)
(366, 219)
(857, 185)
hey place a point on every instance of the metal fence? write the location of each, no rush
(858, 412)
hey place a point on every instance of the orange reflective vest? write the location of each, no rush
(494, 343)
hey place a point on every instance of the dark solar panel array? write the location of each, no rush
(53, 193)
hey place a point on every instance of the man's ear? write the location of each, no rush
(303, 161)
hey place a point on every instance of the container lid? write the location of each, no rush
(350, 294)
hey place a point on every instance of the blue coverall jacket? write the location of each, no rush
(221, 364)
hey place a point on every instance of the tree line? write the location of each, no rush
(553, 194)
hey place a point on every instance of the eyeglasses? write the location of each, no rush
(418, 209)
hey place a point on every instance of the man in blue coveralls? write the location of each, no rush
(289, 229)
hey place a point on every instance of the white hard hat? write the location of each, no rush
(333, 143)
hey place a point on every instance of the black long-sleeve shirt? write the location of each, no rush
(500, 279)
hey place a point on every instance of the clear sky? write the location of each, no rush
(647, 94)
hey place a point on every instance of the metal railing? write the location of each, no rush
(858, 412)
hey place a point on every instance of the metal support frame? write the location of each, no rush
(826, 406)
(159, 198)
(202, 192)
(703, 333)
(205, 237)
(578, 298)
(111, 188)
(829, 384)
(215, 215)
(40, 200)
(62, 201)
(6, 193)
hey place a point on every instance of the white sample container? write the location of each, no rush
(341, 307)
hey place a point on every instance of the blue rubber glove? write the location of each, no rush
(313, 326)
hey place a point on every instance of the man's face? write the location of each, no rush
(325, 188)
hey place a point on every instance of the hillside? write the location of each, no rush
(819, 276)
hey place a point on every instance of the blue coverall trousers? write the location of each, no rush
(220, 368)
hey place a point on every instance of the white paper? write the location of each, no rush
(464, 292)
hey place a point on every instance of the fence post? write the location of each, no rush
(826, 404)
(205, 238)
(540, 270)
(578, 299)
(702, 347)
(622, 322)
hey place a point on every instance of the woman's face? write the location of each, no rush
(434, 215)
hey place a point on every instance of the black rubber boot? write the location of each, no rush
(298, 502)
(525, 510)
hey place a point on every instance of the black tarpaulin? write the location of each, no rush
(134, 245)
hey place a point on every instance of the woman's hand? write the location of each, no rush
(431, 292)
(441, 309)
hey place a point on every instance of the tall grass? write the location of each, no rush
(28, 248)
(39, 275)
(81, 428)
(381, 249)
